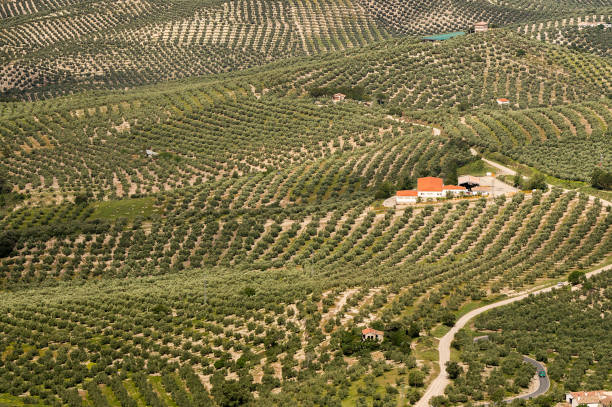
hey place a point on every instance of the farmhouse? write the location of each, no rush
(151, 153)
(338, 97)
(370, 334)
(599, 398)
(428, 187)
(481, 27)
(503, 101)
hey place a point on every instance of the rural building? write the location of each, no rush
(443, 37)
(600, 398)
(484, 190)
(454, 189)
(481, 27)
(370, 334)
(338, 97)
(503, 101)
(405, 197)
(428, 187)
(151, 153)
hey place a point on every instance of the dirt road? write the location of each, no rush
(436, 388)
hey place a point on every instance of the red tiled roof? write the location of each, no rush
(407, 193)
(451, 187)
(430, 184)
(502, 100)
(371, 331)
(588, 397)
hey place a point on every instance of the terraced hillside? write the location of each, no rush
(49, 48)
(419, 17)
(221, 240)
(567, 141)
(585, 33)
(474, 70)
(432, 259)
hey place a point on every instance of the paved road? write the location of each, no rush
(544, 381)
(437, 386)
(544, 384)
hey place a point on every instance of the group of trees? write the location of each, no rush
(601, 179)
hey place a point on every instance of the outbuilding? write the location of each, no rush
(503, 101)
(481, 26)
(338, 97)
(370, 334)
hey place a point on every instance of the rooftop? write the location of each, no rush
(371, 331)
(430, 184)
(407, 193)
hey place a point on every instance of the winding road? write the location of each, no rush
(437, 386)
(544, 382)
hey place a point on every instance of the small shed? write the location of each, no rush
(151, 153)
(481, 26)
(503, 101)
(338, 97)
(370, 334)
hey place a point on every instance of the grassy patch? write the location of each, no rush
(7, 400)
(477, 168)
(132, 391)
(110, 396)
(159, 388)
(125, 208)
(379, 384)
(440, 331)
(426, 349)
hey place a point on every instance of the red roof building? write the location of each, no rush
(428, 187)
(369, 333)
(430, 184)
(600, 398)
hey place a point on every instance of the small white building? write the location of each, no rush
(338, 97)
(370, 334)
(503, 101)
(483, 190)
(600, 398)
(454, 190)
(151, 153)
(481, 26)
